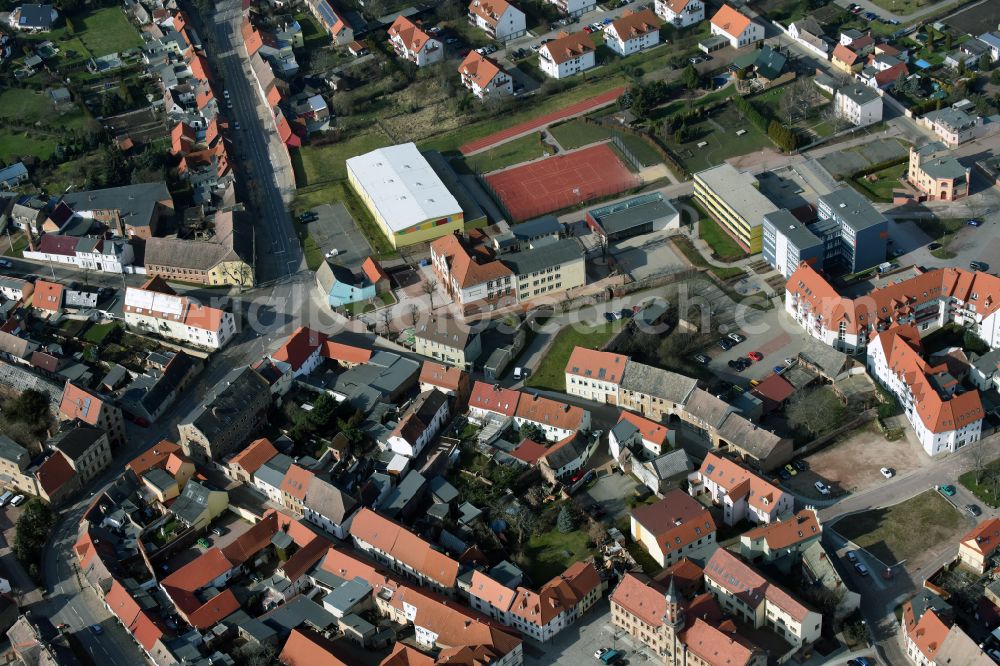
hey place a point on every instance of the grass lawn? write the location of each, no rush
(26, 105)
(550, 553)
(722, 244)
(988, 488)
(450, 141)
(317, 164)
(98, 332)
(506, 154)
(641, 150)
(313, 34)
(718, 131)
(694, 256)
(331, 192)
(14, 244)
(886, 181)
(16, 144)
(551, 373)
(106, 31)
(902, 532)
(576, 133)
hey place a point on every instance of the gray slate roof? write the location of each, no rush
(658, 382)
(547, 256)
(273, 471)
(232, 396)
(135, 203)
(671, 464)
(705, 406)
(753, 439)
(192, 501)
(75, 441)
(328, 500)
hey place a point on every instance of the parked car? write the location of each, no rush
(887, 473)
(973, 510)
(897, 252)
(702, 359)
(974, 223)
(726, 344)
(204, 543)
(861, 569)
(754, 383)
(947, 490)
(521, 372)
(587, 29)
(778, 369)
(600, 652)
(17, 500)
(308, 216)
(451, 41)
(736, 337)
(97, 629)
(800, 465)
(332, 253)
(785, 476)
(860, 661)
(934, 246)
(5, 263)
(755, 356)
(822, 488)
(791, 470)
(218, 531)
(979, 266)
(852, 556)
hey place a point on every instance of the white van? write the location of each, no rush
(5, 498)
(18, 499)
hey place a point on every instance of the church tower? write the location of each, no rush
(673, 624)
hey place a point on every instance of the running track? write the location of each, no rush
(541, 121)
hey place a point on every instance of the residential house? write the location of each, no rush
(992, 42)
(847, 60)
(413, 44)
(402, 551)
(653, 392)
(567, 54)
(129, 211)
(332, 20)
(473, 280)
(742, 494)
(747, 595)
(500, 20)
(633, 430)
(451, 381)
(224, 259)
(293, 488)
(93, 409)
(857, 104)
(48, 298)
(736, 27)
(595, 375)
(327, 506)
(149, 395)
(491, 401)
(231, 413)
(156, 308)
(341, 286)
(680, 13)
(809, 33)
(484, 77)
(937, 174)
(558, 604)
(683, 632)
(194, 589)
(674, 527)
(56, 479)
(14, 467)
(977, 547)
(633, 32)
(13, 175)
(448, 340)
(198, 505)
(943, 418)
(555, 420)
(33, 17)
(819, 570)
(270, 475)
(245, 464)
(85, 447)
(786, 538)
(932, 638)
(957, 124)
(662, 473)
(568, 456)
(16, 289)
(420, 423)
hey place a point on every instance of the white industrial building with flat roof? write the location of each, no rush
(404, 194)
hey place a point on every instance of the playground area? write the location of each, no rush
(561, 181)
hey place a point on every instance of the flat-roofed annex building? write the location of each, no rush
(734, 200)
(406, 197)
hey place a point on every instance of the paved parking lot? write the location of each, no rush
(233, 526)
(336, 229)
(611, 491)
(646, 255)
(576, 645)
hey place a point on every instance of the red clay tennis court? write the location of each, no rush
(541, 121)
(561, 181)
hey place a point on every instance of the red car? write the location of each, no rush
(755, 356)
(587, 29)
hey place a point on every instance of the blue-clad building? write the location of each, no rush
(785, 242)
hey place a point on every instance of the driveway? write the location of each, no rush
(611, 491)
(335, 229)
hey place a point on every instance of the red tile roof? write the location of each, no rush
(649, 430)
(146, 631)
(467, 268)
(344, 353)
(373, 271)
(253, 456)
(528, 451)
(984, 538)
(741, 580)
(214, 610)
(497, 595)
(675, 521)
(482, 70)
(489, 10)
(296, 481)
(47, 296)
(412, 37)
(739, 482)
(252, 541)
(55, 244)
(548, 412)
(305, 557)
(193, 576)
(730, 21)
(566, 47)
(404, 546)
(928, 634)
(78, 403)
(404, 655)
(796, 529)
(121, 603)
(636, 24)
(305, 647)
(593, 364)
(443, 376)
(299, 346)
(887, 76)
(154, 456)
(715, 647)
(54, 473)
(844, 55)
(494, 399)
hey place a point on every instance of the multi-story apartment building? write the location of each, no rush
(786, 243)
(955, 124)
(653, 392)
(742, 494)
(574, 8)
(413, 44)
(484, 77)
(448, 340)
(744, 593)
(94, 409)
(931, 637)
(859, 105)
(555, 420)
(944, 418)
(595, 375)
(680, 13)
(937, 174)
(499, 19)
(474, 281)
(85, 447)
(862, 232)
(232, 412)
(633, 32)
(567, 55)
(927, 301)
(15, 462)
(674, 527)
(156, 308)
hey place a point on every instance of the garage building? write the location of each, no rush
(634, 217)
